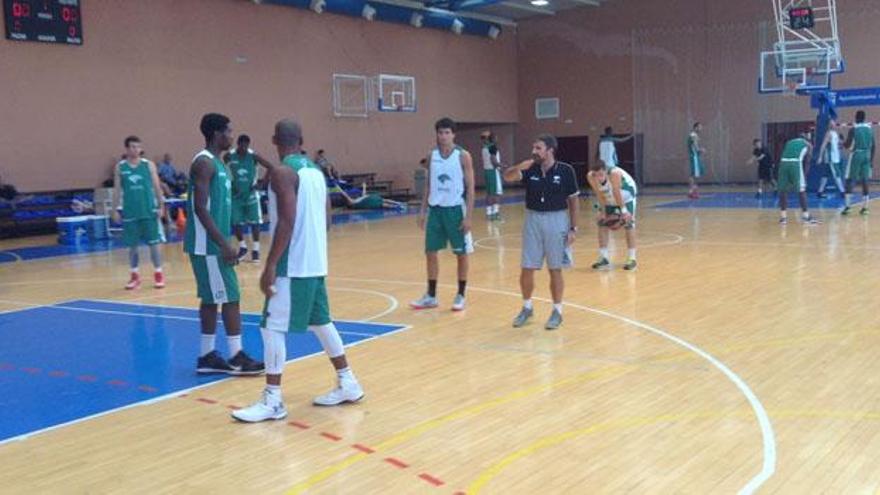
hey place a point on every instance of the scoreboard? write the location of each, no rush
(47, 21)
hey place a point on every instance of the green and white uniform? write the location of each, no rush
(245, 196)
(490, 172)
(446, 207)
(859, 166)
(215, 279)
(697, 169)
(628, 192)
(832, 154)
(608, 152)
(368, 202)
(791, 168)
(140, 222)
(300, 298)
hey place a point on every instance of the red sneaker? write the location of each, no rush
(134, 283)
(159, 280)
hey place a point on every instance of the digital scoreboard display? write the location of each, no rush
(47, 21)
(801, 18)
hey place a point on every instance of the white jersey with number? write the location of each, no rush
(487, 158)
(628, 189)
(834, 147)
(608, 153)
(447, 179)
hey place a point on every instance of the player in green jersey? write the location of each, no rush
(860, 143)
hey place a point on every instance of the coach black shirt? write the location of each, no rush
(550, 191)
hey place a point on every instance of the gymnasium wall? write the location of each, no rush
(153, 68)
(656, 67)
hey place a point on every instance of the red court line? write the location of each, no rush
(396, 462)
(432, 480)
(87, 378)
(233, 407)
(32, 371)
(299, 424)
(147, 388)
(206, 401)
(58, 373)
(362, 448)
(6, 366)
(117, 383)
(331, 436)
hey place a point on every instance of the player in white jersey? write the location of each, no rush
(830, 155)
(294, 278)
(446, 212)
(607, 150)
(616, 192)
(491, 172)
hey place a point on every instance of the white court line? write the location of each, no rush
(481, 243)
(177, 393)
(768, 467)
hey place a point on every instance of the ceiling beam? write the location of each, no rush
(467, 15)
(592, 3)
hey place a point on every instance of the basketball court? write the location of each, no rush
(738, 358)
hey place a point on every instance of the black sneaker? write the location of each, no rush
(242, 364)
(212, 362)
(242, 251)
(602, 263)
(255, 256)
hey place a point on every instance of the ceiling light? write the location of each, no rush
(540, 3)
(369, 12)
(457, 26)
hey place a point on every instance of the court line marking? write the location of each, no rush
(768, 467)
(16, 258)
(178, 393)
(678, 239)
(394, 304)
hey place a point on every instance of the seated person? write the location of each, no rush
(175, 181)
(369, 201)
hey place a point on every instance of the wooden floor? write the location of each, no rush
(740, 355)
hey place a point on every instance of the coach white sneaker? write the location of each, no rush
(459, 303)
(348, 390)
(425, 302)
(269, 407)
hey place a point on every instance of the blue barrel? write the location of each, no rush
(98, 227)
(73, 230)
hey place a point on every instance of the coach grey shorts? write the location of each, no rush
(544, 236)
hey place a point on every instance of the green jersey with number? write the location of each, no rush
(138, 195)
(863, 138)
(795, 150)
(196, 239)
(244, 176)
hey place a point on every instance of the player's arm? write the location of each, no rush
(117, 192)
(824, 145)
(623, 139)
(850, 139)
(600, 198)
(284, 182)
(573, 207)
(467, 166)
(423, 209)
(157, 188)
(514, 173)
(493, 157)
(202, 172)
(618, 195)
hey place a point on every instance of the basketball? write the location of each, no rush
(612, 221)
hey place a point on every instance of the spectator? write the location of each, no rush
(175, 181)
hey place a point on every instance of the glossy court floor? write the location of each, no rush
(740, 357)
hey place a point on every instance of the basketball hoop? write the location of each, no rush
(791, 88)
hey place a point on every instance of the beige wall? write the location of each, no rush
(658, 66)
(153, 68)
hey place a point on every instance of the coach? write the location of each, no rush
(550, 224)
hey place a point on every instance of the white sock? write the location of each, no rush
(158, 269)
(632, 254)
(603, 252)
(847, 199)
(489, 210)
(346, 374)
(242, 244)
(805, 215)
(783, 213)
(207, 344)
(527, 303)
(558, 307)
(135, 270)
(273, 393)
(496, 208)
(256, 246)
(865, 200)
(234, 343)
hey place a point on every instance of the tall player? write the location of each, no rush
(695, 158)
(491, 165)
(860, 143)
(792, 177)
(245, 195)
(208, 206)
(830, 157)
(446, 212)
(616, 192)
(294, 278)
(143, 206)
